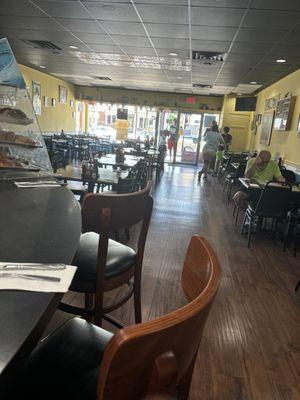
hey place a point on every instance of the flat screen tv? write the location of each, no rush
(122, 113)
(245, 104)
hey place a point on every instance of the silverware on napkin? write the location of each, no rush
(31, 277)
(35, 267)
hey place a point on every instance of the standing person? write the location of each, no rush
(172, 138)
(227, 137)
(62, 135)
(213, 123)
(213, 139)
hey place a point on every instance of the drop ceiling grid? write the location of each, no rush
(158, 28)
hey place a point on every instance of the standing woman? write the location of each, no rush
(213, 139)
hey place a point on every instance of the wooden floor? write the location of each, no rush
(251, 345)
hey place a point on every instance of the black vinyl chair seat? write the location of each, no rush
(120, 258)
(66, 364)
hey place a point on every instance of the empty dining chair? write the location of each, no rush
(104, 264)
(153, 360)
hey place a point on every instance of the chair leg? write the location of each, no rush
(249, 232)
(89, 304)
(237, 216)
(137, 300)
(185, 382)
(244, 222)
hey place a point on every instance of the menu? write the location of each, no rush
(22, 146)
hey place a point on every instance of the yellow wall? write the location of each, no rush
(152, 99)
(287, 143)
(238, 122)
(53, 119)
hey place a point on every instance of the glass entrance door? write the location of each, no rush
(207, 120)
(188, 138)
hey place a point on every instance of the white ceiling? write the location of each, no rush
(130, 41)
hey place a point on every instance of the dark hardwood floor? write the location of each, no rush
(251, 345)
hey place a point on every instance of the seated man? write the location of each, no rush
(261, 170)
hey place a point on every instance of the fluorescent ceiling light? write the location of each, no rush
(281, 60)
(107, 7)
(253, 83)
(173, 53)
(73, 47)
(42, 66)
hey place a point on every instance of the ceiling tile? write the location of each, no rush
(211, 16)
(168, 30)
(121, 11)
(124, 28)
(163, 14)
(260, 35)
(63, 9)
(268, 19)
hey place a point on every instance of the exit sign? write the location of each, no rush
(191, 100)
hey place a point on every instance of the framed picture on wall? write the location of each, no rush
(46, 101)
(53, 102)
(298, 127)
(266, 128)
(71, 103)
(62, 95)
(73, 114)
(36, 97)
(258, 119)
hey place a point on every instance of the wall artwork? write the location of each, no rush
(73, 114)
(53, 102)
(46, 101)
(71, 103)
(258, 119)
(266, 128)
(36, 98)
(62, 95)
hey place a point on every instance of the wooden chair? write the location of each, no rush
(104, 264)
(153, 360)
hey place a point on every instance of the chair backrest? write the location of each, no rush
(274, 199)
(240, 171)
(125, 210)
(155, 359)
(288, 175)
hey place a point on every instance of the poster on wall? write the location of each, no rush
(9, 70)
(266, 128)
(36, 98)
(62, 95)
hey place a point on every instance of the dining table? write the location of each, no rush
(106, 176)
(130, 161)
(37, 225)
(259, 186)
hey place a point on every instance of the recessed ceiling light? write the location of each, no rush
(73, 47)
(42, 66)
(253, 83)
(173, 53)
(281, 60)
(239, 94)
(179, 77)
(107, 7)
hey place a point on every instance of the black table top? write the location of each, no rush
(36, 225)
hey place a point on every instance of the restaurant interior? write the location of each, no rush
(150, 199)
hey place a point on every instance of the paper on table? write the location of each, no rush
(37, 184)
(19, 283)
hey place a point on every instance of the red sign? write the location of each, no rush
(191, 100)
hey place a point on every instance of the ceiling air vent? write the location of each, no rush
(103, 78)
(201, 86)
(43, 45)
(208, 57)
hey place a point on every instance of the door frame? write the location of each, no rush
(198, 140)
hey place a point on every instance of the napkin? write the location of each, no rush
(14, 280)
(33, 184)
